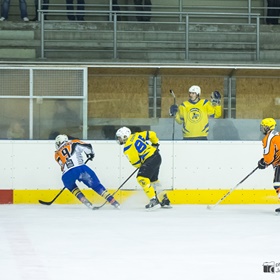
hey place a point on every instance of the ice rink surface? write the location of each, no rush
(71, 242)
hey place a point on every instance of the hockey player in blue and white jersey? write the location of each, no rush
(69, 155)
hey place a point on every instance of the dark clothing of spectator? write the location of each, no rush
(273, 14)
(80, 8)
(45, 6)
(116, 6)
(5, 7)
(143, 6)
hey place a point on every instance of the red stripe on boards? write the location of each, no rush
(6, 196)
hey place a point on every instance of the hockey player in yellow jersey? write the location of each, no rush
(141, 149)
(194, 113)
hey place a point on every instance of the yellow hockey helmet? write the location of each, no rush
(267, 125)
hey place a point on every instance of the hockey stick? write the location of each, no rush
(173, 135)
(61, 191)
(174, 103)
(98, 207)
(230, 191)
(52, 201)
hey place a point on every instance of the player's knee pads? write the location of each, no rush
(145, 183)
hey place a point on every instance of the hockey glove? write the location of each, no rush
(173, 110)
(261, 164)
(90, 156)
(216, 98)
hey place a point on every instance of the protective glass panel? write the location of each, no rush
(14, 82)
(60, 82)
(14, 119)
(57, 116)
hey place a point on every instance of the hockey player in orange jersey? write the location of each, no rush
(69, 155)
(271, 151)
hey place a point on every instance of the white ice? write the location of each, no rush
(71, 242)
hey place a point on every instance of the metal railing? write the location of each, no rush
(179, 7)
(149, 40)
(174, 40)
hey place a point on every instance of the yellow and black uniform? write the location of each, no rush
(147, 158)
(137, 149)
(195, 118)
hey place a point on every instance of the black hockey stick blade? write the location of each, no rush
(45, 202)
(52, 201)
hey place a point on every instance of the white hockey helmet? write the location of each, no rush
(60, 139)
(122, 134)
(195, 89)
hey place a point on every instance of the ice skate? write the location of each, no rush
(116, 205)
(154, 204)
(165, 202)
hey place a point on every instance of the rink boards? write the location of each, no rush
(192, 172)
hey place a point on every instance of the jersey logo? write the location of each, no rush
(194, 115)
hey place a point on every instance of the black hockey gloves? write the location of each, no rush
(173, 110)
(216, 98)
(261, 164)
(90, 156)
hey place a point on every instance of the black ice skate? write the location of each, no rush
(165, 202)
(154, 204)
